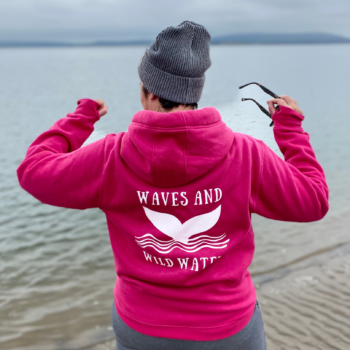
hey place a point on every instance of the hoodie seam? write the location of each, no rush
(262, 155)
(171, 326)
(103, 174)
(152, 157)
(188, 127)
(184, 151)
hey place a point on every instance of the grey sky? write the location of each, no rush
(88, 20)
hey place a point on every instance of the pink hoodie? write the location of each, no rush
(178, 190)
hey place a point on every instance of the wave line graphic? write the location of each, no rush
(147, 241)
(195, 244)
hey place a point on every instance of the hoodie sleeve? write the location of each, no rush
(57, 171)
(294, 189)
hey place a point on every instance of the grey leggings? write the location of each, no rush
(251, 337)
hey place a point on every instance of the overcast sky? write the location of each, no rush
(89, 20)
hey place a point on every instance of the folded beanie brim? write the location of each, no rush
(184, 90)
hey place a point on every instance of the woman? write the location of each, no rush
(178, 190)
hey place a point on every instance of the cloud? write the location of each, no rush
(87, 20)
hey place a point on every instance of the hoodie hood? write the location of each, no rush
(172, 149)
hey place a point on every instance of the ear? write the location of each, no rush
(153, 97)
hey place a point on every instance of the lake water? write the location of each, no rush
(56, 265)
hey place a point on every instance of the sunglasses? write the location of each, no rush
(258, 104)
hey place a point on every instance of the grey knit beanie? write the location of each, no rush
(173, 66)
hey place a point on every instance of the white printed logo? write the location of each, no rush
(181, 233)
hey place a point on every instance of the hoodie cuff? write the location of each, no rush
(88, 108)
(287, 117)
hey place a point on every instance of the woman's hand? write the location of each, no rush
(286, 101)
(102, 109)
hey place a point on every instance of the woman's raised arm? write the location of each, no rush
(294, 189)
(56, 170)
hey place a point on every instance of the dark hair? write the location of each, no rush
(168, 105)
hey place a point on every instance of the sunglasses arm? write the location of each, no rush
(264, 110)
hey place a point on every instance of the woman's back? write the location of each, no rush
(178, 190)
(178, 193)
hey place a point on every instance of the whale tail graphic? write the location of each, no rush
(172, 227)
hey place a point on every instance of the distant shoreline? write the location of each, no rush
(234, 39)
(4, 46)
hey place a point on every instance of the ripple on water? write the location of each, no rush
(309, 309)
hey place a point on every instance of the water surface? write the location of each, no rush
(56, 265)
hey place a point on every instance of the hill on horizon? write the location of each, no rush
(273, 38)
(232, 39)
